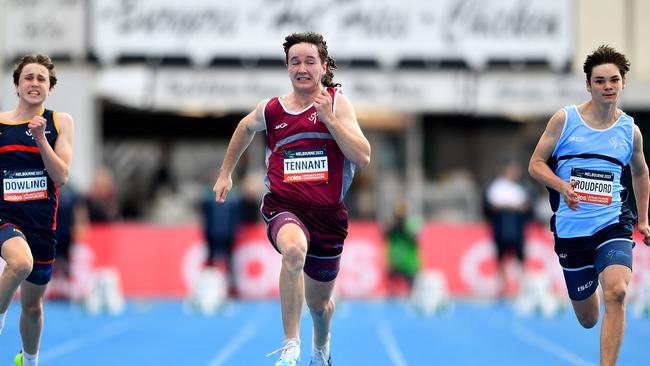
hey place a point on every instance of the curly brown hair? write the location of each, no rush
(36, 59)
(317, 40)
(606, 54)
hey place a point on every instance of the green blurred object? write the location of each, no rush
(403, 255)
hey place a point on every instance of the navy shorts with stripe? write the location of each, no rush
(584, 258)
(42, 244)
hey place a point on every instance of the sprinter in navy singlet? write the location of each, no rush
(591, 157)
(313, 144)
(35, 153)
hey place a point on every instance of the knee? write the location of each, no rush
(321, 306)
(20, 267)
(588, 321)
(615, 295)
(294, 257)
(33, 309)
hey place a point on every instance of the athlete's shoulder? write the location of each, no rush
(555, 126)
(626, 117)
(266, 105)
(5, 116)
(340, 99)
(63, 120)
(559, 117)
(267, 101)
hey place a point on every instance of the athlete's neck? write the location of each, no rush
(599, 115)
(301, 100)
(25, 112)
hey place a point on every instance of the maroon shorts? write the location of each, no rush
(325, 230)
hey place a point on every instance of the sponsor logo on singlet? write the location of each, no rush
(29, 133)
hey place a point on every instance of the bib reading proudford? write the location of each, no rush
(24, 185)
(593, 186)
(305, 165)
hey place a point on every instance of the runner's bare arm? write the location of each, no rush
(640, 184)
(344, 127)
(538, 166)
(57, 160)
(241, 138)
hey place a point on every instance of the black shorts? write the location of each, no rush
(42, 244)
(583, 258)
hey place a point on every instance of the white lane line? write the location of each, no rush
(541, 342)
(387, 338)
(106, 332)
(242, 337)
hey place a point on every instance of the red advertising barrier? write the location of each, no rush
(465, 253)
(164, 261)
(151, 260)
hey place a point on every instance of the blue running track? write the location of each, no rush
(364, 333)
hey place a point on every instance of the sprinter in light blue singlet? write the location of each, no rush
(591, 159)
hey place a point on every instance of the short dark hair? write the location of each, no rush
(35, 59)
(606, 54)
(317, 40)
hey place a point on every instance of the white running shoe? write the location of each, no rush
(320, 356)
(290, 353)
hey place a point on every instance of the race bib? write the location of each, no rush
(24, 185)
(305, 166)
(593, 186)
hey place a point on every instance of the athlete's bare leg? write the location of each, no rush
(614, 280)
(18, 257)
(293, 245)
(321, 306)
(588, 310)
(31, 316)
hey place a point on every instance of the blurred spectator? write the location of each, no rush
(102, 198)
(507, 206)
(164, 182)
(251, 196)
(71, 221)
(220, 222)
(403, 257)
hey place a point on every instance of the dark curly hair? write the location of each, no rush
(317, 40)
(606, 54)
(35, 59)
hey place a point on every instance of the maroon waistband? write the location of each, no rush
(283, 201)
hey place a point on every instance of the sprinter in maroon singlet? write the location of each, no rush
(314, 144)
(35, 153)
